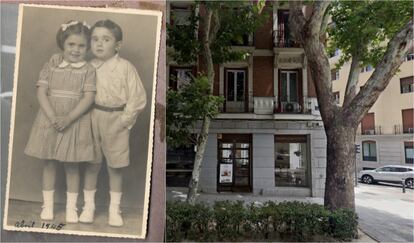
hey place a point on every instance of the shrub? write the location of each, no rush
(185, 221)
(343, 224)
(231, 221)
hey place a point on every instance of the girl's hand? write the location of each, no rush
(62, 123)
(54, 122)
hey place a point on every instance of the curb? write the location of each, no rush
(364, 237)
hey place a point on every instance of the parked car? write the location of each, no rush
(389, 173)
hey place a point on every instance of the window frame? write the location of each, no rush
(299, 139)
(408, 145)
(370, 157)
(337, 96)
(174, 84)
(405, 85)
(336, 76)
(246, 88)
(409, 57)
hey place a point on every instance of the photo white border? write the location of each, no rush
(144, 230)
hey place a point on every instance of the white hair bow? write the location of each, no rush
(74, 22)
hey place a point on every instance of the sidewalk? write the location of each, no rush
(180, 194)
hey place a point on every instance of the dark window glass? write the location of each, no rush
(369, 151)
(407, 85)
(409, 152)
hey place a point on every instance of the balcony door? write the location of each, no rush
(234, 170)
(236, 90)
(290, 91)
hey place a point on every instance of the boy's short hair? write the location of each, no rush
(115, 29)
(72, 27)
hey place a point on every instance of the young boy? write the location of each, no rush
(119, 99)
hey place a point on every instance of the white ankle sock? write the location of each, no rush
(89, 198)
(71, 199)
(48, 198)
(115, 200)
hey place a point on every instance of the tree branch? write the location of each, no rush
(352, 82)
(316, 21)
(216, 26)
(324, 25)
(307, 33)
(297, 20)
(397, 49)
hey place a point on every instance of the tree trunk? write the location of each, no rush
(206, 39)
(201, 146)
(340, 176)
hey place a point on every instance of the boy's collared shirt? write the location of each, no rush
(119, 84)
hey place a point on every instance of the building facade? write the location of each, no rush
(268, 138)
(385, 135)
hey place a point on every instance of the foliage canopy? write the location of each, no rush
(361, 28)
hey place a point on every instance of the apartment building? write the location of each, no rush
(385, 135)
(268, 138)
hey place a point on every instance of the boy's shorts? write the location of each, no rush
(111, 140)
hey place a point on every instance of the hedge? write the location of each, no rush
(233, 221)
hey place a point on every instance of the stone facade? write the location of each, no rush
(263, 156)
(390, 150)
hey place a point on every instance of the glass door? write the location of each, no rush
(236, 90)
(234, 165)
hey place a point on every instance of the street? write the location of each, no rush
(385, 213)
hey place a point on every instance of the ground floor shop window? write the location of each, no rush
(291, 161)
(180, 163)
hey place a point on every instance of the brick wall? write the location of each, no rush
(263, 76)
(263, 37)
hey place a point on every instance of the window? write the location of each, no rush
(283, 32)
(337, 97)
(409, 152)
(369, 151)
(180, 13)
(179, 76)
(236, 90)
(399, 169)
(368, 168)
(366, 68)
(368, 124)
(407, 85)
(289, 83)
(407, 119)
(291, 161)
(385, 169)
(179, 167)
(289, 91)
(410, 56)
(334, 74)
(235, 85)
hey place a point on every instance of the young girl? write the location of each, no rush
(62, 129)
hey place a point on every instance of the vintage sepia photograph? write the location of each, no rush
(82, 121)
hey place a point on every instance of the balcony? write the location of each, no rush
(283, 40)
(274, 105)
(401, 129)
(265, 108)
(281, 34)
(376, 130)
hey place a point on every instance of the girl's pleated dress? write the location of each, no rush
(66, 84)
